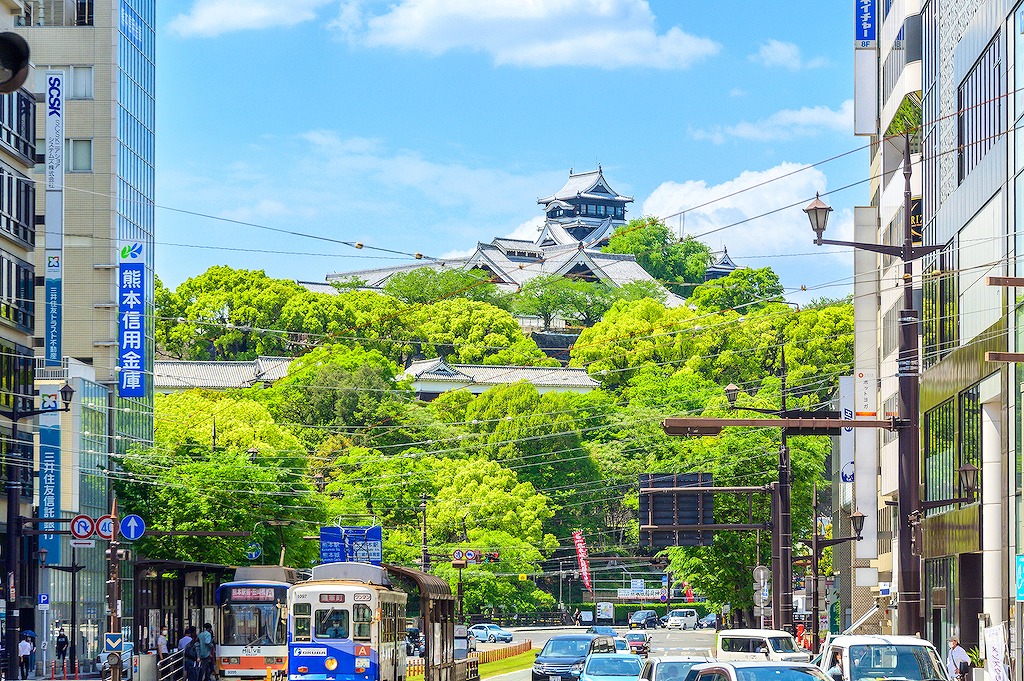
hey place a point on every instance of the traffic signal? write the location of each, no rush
(13, 61)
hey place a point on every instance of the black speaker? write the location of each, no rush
(13, 61)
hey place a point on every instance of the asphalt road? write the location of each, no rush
(663, 642)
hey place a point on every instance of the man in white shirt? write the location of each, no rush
(957, 656)
(24, 652)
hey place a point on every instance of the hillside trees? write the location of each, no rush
(680, 264)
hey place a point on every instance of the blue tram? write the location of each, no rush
(347, 623)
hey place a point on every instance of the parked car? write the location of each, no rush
(639, 643)
(760, 670)
(491, 633)
(610, 667)
(562, 657)
(682, 618)
(622, 646)
(672, 668)
(708, 621)
(663, 620)
(906, 657)
(643, 619)
(602, 629)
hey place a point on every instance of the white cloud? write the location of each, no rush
(760, 211)
(527, 230)
(784, 125)
(538, 33)
(776, 53)
(210, 18)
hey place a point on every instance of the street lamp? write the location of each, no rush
(908, 422)
(819, 544)
(12, 550)
(74, 569)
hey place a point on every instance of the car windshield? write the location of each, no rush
(677, 613)
(569, 647)
(621, 644)
(894, 662)
(783, 644)
(773, 673)
(636, 637)
(671, 671)
(641, 614)
(613, 666)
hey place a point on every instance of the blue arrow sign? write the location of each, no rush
(113, 643)
(132, 527)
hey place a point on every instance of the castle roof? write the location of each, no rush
(590, 185)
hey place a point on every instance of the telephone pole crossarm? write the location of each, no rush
(697, 426)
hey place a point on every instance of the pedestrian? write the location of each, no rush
(206, 651)
(957, 661)
(62, 646)
(576, 617)
(161, 644)
(190, 654)
(24, 652)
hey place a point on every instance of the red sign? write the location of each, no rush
(82, 526)
(105, 527)
(581, 558)
(252, 593)
(362, 651)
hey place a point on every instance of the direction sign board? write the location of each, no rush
(363, 544)
(132, 527)
(113, 642)
(105, 527)
(82, 527)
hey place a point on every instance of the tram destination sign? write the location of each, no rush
(361, 544)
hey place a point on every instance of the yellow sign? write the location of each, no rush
(522, 578)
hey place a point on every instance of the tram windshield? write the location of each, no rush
(253, 616)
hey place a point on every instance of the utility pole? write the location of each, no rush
(785, 530)
(425, 555)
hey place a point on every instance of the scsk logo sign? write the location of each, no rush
(54, 95)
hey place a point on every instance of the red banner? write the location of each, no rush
(581, 558)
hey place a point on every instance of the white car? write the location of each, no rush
(683, 618)
(622, 646)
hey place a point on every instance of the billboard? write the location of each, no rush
(674, 510)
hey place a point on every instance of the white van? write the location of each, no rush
(683, 618)
(759, 644)
(879, 656)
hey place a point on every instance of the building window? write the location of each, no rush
(891, 330)
(81, 82)
(979, 99)
(17, 292)
(83, 12)
(940, 451)
(941, 328)
(78, 156)
(17, 206)
(18, 123)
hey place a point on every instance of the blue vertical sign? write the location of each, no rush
(53, 282)
(131, 325)
(1020, 576)
(49, 469)
(866, 30)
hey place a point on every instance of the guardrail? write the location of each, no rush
(414, 665)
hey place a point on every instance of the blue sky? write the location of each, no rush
(428, 125)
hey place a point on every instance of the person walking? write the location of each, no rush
(161, 644)
(24, 653)
(190, 654)
(206, 651)
(957, 661)
(62, 647)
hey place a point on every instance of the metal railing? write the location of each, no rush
(172, 667)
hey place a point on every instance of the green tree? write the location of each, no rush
(223, 314)
(428, 285)
(678, 263)
(744, 289)
(546, 296)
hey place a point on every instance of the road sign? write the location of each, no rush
(361, 543)
(132, 527)
(82, 527)
(113, 642)
(762, 574)
(1020, 577)
(471, 555)
(105, 527)
(458, 564)
(83, 543)
(253, 551)
(43, 604)
(458, 554)
(762, 596)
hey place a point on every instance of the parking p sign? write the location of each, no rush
(44, 602)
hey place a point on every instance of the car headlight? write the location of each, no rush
(576, 669)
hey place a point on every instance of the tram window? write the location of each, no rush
(332, 623)
(301, 612)
(362, 615)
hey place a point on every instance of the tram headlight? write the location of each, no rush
(331, 664)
